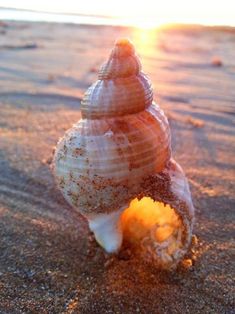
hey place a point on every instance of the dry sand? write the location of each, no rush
(49, 262)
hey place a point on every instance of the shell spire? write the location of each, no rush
(121, 87)
(123, 62)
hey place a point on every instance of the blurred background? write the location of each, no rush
(50, 53)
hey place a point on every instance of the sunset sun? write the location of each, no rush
(144, 14)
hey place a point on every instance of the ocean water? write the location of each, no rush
(33, 16)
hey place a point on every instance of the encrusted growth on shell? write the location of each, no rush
(121, 150)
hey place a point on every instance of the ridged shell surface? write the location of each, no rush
(122, 138)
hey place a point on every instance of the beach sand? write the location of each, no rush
(49, 261)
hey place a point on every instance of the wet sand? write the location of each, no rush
(49, 262)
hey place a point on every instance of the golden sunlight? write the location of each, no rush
(151, 13)
(144, 39)
(144, 14)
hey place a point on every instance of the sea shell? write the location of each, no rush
(115, 166)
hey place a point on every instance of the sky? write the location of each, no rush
(140, 12)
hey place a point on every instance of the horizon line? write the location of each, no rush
(119, 20)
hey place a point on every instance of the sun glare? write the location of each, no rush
(145, 14)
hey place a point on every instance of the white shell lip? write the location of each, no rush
(107, 230)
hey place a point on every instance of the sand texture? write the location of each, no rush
(49, 262)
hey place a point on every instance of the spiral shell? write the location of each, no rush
(121, 142)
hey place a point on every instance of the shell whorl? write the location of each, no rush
(121, 87)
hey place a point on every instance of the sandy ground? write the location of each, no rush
(49, 262)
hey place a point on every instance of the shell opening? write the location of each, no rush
(155, 229)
